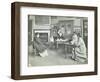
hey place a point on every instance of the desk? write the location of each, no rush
(67, 47)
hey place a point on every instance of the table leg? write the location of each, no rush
(57, 44)
(65, 50)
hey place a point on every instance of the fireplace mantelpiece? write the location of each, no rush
(44, 34)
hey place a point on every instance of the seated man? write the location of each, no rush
(61, 32)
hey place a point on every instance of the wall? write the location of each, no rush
(5, 41)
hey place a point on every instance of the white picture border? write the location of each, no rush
(25, 70)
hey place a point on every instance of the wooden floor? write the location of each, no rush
(55, 57)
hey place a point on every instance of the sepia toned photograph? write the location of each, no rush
(57, 40)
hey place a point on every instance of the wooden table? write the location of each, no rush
(66, 45)
(66, 48)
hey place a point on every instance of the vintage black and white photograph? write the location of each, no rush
(53, 40)
(57, 40)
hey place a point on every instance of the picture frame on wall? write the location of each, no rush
(53, 40)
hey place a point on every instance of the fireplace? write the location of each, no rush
(44, 34)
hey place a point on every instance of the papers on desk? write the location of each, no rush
(62, 40)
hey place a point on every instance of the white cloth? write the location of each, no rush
(43, 54)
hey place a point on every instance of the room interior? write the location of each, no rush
(44, 25)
